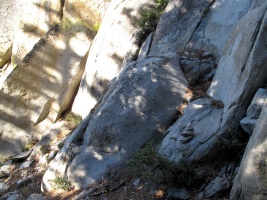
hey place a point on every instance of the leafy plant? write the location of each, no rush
(31, 142)
(148, 18)
(149, 165)
(61, 183)
(74, 120)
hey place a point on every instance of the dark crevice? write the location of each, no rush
(62, 4)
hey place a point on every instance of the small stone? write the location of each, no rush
(22, 156)
(3, 175)
(216, 186)
(25, 164)
(52, 155)
(83, 194)
(206, 54)
(7, 167)
(3, 186)
(23, 182)
(248, 124)
(62, 142)
(180, 193)
(136, 183)
(9, 194)
(36, 196)
(14, 197)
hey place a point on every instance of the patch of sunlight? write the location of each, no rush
(52, 72)
(5, 73)
(78, 43)
(138, 103)
(61, 45)
(211, 90)
(97, 156)
(197, 106)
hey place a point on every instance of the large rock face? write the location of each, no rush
(116, 41)
(45, 80)
(196, 24)
(179, 20)
(250, 182)
(240, 73)
(219, 19)
(137, 107)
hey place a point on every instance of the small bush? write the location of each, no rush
(149, 165)
(73, 120)
(61, 183)
(31, 142)
(148, 18)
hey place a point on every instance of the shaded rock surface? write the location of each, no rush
(129, 115)
(250, 181)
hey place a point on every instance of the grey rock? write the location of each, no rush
(52, 155)
(3, 186)
(145, 48)
(3, 175)
(256, 105)
(23, 182)
(179, 20)
(136, 183)
(198, 68)
(240, 73)
(62, 142)
(14, 197)
(199, 114)
(250, 182)
(36, 196)
(9, 194)
(22, 156)
(218, 185)
(129, 115)
(83, 194)
(179, 193)
(26, 164)
(248, 124)
(216, 26)
(7, 167)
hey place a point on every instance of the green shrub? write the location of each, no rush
(149, 165)
(148, 18)
(73, 120)
(61, 183)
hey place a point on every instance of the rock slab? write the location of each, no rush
(129, 115)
